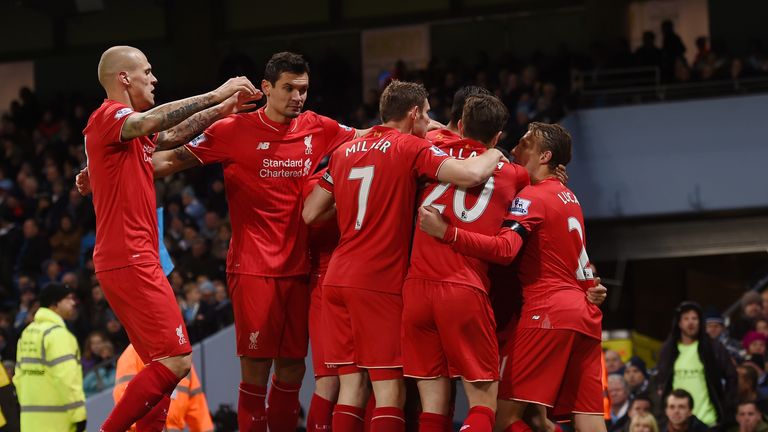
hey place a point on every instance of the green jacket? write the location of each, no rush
(49, 378)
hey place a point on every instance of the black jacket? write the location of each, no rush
(719, 371)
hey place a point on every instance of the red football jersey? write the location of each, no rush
(123, 190)
(265, 167)
(323, 237)
(443, 135)
(374, 181)
(553, 267)
(480, 209)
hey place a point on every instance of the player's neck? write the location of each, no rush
(540, 174)
(275, 116)
(120, 96)
(453, 128)
(404, 126)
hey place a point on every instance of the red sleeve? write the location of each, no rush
(527, 209)
(214, 144)
(429, 157)
(326, 181)
(501, 248)
(112, 120)
(336, 133)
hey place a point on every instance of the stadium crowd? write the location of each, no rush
(47, 234)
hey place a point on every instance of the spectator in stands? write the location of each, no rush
(643, 422)
(618, 391)
(115, 331)
(641, 404)
(34, 249)
(749, 419)
(94, 345)
(613, 363)
(102, 376)
(636, 376)
(715, 326)
(678, 414)
(65, 243)
(751, 310)
(27, 299)
(754, 343)
(689, 360)
(761, 326)
(748, 388)
(672, 49)
(648, 54)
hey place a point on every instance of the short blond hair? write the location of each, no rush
(644, 419)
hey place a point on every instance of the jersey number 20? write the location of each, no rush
(459, 201)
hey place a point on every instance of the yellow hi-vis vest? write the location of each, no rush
(49, 378)
(4, 381)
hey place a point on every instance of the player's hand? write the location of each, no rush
(561, 174)
(232, 86)
(434, 124)
(597, 294)
(432, 222)
(502, 158)
(83, 182)
(240, 102)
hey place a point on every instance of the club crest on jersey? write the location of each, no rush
(180, 334)
(520, 207)
(122, 113)
(254, 338)
(437, 151)
(196, 141)
(308, 144)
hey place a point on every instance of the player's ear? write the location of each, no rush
(495, 140)
(460, 125)
(545, 157)
(266, 86)
(414, 112)
(123, 78)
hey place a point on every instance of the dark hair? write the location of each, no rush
(460, 98)
(682, 394)
(750, 374)
(555, 139)
(285, 62)
(483, 117)
(642, 397)
(399, 97)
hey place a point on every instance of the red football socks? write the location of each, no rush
(479, 419)
(347, 418)
(251, 413)
(518, 426)
(388, 419)
(143, 393)
(283, 406)
(320, 414)
(431, 422)
(154, 421)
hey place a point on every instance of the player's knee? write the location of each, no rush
(327, 387)
(179, 365)
(290, 371)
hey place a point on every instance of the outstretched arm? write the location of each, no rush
(471, 171)
(167, 162)
(197, 123)
(501, 248)
(171, 114)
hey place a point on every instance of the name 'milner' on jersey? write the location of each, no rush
(478, 209)
(374, 180)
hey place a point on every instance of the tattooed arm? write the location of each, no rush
(171, 114)
(168, 162)
(196, 124)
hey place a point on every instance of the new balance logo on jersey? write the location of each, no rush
(122, 113)
(263, 146)
(308, 144)
(520, 207)
(180, 334)
(254, 338)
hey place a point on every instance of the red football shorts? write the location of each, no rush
(271, 315)
(145, 305)
(448, 331)
(362, 327)
(316, 334)
(556, 368)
